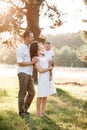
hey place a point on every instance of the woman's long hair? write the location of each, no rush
(34, 49)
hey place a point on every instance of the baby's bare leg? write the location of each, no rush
(51, 73)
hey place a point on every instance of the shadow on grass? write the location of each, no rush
(42, 123)
(66, 97)
(71, 114)
(9, 120)
(71, 111)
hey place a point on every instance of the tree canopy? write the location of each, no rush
(27, 12)
(82, 54)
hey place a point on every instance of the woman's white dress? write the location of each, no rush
(45, 87)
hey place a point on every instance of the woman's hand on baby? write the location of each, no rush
(50, 68)
(51, 62)
(34, 60)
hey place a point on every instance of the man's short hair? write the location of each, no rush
(47, 42)
(26, 34)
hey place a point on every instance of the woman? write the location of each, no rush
(42, 65)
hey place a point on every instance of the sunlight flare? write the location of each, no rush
(4, 7)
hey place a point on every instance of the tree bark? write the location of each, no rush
(33, 8)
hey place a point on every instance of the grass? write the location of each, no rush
(9, 120)
(67, 110)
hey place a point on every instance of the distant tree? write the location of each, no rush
(7, 56)
(84, 33)
(84, 36)
(82, 54)
(64, 56)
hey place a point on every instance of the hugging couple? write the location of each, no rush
(29, 54)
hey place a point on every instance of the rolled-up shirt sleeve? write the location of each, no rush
(19, 55)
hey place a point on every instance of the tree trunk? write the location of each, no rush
(33, 17)
(33, 22)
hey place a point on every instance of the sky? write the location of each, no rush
(3, 7)
(76, 12)
(75, 9)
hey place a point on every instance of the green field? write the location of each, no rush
(67, 110)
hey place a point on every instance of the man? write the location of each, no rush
(25, 69)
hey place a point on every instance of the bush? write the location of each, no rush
(7, 55)
(66, 56)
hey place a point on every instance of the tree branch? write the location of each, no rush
(53, 9)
